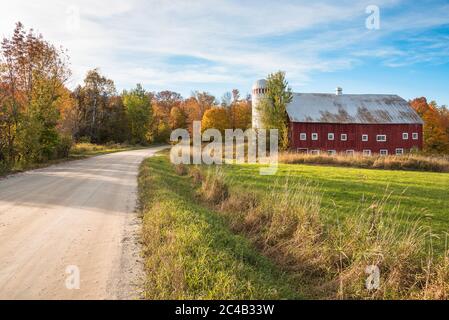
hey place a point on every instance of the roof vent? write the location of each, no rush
(339, 91)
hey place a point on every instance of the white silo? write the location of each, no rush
(258, 94)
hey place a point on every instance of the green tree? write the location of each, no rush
(138, 107)
(273, 109)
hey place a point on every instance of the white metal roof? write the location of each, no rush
(351, 108)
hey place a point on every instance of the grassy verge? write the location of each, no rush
(322, 226)
(190, 253)
(83, 150)
(77, 152)
(408, 162)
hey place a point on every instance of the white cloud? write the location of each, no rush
(131, 40)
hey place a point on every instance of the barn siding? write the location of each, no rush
(355, 132)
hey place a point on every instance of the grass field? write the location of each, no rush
(189, 250)
(197, 249)
(345, 190)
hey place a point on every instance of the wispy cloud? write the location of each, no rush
(184, 45)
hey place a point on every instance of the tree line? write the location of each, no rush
(40, 117)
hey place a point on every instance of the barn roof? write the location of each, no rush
(351, 108)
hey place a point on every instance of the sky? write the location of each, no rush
(386, 46)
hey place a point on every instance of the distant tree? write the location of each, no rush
(93, 106)
(216, 118)
(166, 100)
(273, 109)
(205, 101)
(178, 118)
(235, 95)
(436, 129)
(226, 100)
(241, 115)
(138, 109)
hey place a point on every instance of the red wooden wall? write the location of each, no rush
(355, 131)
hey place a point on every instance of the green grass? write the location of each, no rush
(345, 190)
(189, 251)
(197, 248)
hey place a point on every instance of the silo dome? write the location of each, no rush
(259, 84)
(258, 94)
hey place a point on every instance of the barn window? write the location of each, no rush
(303, 137)
(344, 137)
(330, 137)
(350, 152)
(331, 152)
(315, 152)
(384, 152)
(381, 138)
(367, 153)
(405, 136)
(399, 151)
(314, 136)
(365, 138)
(415, 136)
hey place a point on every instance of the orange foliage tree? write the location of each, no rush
(436, 125)
(216, 118)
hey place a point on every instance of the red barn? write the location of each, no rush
(348, 123)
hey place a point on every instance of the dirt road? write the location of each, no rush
(70, 222)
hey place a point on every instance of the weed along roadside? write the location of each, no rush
(215, 232)
(189, 251)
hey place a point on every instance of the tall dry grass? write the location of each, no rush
(331, 257)
(404, 162)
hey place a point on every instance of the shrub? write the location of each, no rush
(196, 175)
(84, 139)
(214, 189)
(181, 170)
(64, 146)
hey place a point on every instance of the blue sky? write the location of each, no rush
(215, 46)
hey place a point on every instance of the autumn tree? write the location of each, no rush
(204, 100)
(32, 73)
(436, 129)
(178, 118)
(93, 103)
(241, 115)
(216, 118)
(273, 108)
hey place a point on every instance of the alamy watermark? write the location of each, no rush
(373, 280)
(73, 280)
(73, 19)
(372, 22)
(231, 149)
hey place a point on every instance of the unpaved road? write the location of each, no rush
(76, 216)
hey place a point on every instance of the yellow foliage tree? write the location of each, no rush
(216, 118)
(241, 115)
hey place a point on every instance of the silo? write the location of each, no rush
(258, 94)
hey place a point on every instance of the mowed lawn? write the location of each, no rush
(345, 190)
